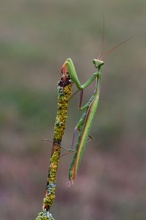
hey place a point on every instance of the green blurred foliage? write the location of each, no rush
(35, 39)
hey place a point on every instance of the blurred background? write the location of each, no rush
(35, 39)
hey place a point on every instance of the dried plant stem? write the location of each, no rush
(64, 94)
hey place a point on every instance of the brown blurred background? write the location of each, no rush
(35, 39)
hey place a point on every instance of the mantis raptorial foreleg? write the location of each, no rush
(68, 64)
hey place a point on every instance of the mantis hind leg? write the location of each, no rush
(78, 127)
(83, 118)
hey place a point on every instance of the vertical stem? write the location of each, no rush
(64, 94)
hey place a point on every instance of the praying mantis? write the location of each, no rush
(86, 120)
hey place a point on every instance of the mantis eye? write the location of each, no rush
(97, 63)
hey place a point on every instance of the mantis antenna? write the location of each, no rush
(115, 47)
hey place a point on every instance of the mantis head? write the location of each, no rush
(97, 63)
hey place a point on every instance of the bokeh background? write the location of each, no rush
(35, 39)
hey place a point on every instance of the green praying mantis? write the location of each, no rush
(86, 120)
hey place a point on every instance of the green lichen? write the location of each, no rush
(44, 215)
